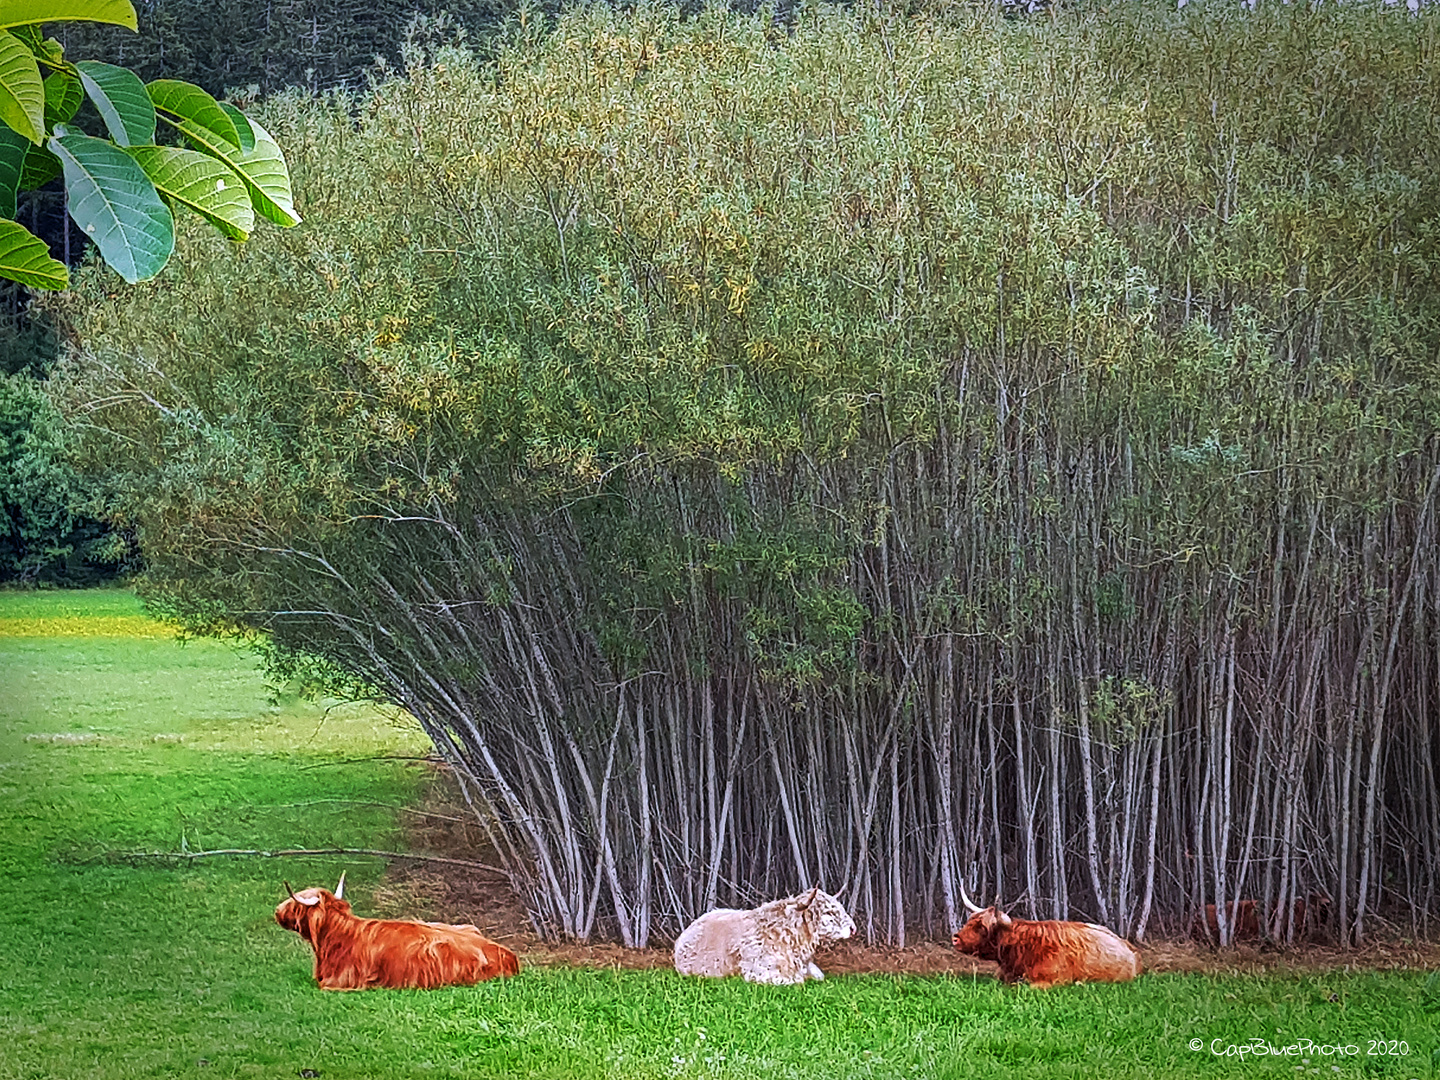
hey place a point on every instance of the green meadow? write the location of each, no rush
(114, 736)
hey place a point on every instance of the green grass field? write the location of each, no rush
(115, 736)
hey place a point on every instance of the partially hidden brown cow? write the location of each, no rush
(1244, 922)
(1245, 919)
(1046, 952)
(352, 953)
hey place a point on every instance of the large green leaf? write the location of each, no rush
(200, 182)
(63, 97)
(35, 40)
(25, 258)
(263, 170)
(13, 148)
(41, 166)
(242, 126)
(116, 205)
(22, 95)
(182, 102)
(122, 101)
(22, 12)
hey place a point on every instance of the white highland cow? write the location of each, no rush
(773, 943)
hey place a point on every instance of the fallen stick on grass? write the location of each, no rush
(299, 852)
(363, 802)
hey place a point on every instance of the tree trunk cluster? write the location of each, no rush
(1104, 673)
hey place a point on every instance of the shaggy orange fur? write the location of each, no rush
(1048, 953)
(352, 953)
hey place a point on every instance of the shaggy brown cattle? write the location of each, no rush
(1046, 953)
(774, 943)
(352, 953)
(1246, 925)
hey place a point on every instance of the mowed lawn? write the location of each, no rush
(114, 736)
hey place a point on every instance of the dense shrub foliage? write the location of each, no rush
(893, 454)
(45, 534)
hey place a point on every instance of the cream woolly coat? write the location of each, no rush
(774, 943)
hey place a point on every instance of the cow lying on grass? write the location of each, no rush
(352, 953)
(774, 943)
(1046, 953)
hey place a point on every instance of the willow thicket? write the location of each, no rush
(892, 454)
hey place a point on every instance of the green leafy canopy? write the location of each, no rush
(121, 186)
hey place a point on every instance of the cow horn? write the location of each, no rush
(340, 889)
(300, 899)
(803, 904)
(970, 905)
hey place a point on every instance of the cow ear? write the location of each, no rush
(1004, 919)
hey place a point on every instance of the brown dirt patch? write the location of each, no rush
(443, 825)
(1250, 959)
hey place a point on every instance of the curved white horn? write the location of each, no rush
(340, 889)
(970, 905)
